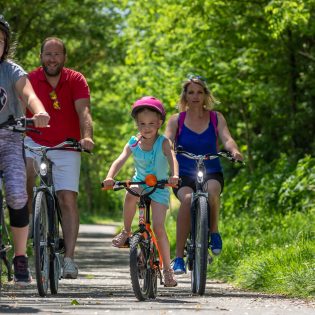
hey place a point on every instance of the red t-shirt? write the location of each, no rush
(64, 122)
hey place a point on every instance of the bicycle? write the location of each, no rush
(197, 243)
(145, 261)
(5, 240)
(48, 243)
(15, 125)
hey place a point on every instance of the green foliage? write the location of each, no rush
(268, 229)
(257, 56)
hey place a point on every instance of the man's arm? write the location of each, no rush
(82, 107)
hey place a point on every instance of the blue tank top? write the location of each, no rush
(151, 162)
(203, 143)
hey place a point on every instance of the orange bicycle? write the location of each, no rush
(145, 259)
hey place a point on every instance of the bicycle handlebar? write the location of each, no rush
(209, 156)
(68, 144)
(19, 124)
(150, 181)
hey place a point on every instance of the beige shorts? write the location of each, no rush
(66, 166)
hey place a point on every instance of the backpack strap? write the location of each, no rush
(214, 122)
(180, 122)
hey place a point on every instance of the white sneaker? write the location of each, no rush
(70, 269)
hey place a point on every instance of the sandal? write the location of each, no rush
(169, 280)
(121, 240)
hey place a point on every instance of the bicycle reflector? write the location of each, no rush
(151, 180)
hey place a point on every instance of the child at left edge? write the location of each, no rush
(152, 154)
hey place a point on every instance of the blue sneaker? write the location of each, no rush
(179, 266)
(216, 243)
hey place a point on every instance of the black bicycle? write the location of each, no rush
(5, 240)
(48, 243)
(197, 243)
(16, 125)
(145, 259)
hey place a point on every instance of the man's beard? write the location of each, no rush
(54, 73)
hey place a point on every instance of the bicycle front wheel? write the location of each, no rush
(41, 250)
(199, 273)
(140, 271)
(155, 270)
(55, 254)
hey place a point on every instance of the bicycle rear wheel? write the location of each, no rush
(55, 263)
(199, 273)
(140, 271)
(41, 250)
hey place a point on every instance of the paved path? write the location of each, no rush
(103, 287)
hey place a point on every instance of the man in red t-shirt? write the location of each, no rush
(66, 97)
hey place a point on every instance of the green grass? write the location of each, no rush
(287, 270)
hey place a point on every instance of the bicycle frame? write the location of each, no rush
(144, 206)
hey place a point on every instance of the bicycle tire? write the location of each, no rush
(40, 241)
(140, 271)
(199, 273)
(55, 266)
(154, 264)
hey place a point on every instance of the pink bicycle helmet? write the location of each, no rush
(148, 102)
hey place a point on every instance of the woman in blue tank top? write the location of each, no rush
(152, 154)
(197, 129)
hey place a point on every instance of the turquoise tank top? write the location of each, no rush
(151, 162)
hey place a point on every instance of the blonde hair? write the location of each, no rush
(210, 100)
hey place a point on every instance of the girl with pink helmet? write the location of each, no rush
(152, 154)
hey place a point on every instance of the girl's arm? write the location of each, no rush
(26, 92)
(172, 161)
(226, 138)
(116, 166)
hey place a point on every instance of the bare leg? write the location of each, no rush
(70, 219)
(129, 210)
(158, 218)
(214, 189)
(19, 240)
(183, 220)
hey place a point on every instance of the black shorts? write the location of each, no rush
(190, 181)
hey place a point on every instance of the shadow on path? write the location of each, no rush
(104, 285)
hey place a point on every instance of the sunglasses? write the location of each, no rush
(53, 97)
(193, 77)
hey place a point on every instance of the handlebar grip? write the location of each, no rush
(29, 122)
(107, 187)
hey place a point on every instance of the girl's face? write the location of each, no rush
(2, 43)
(148, 123)
(195, 95)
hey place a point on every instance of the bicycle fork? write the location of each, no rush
(154, 263)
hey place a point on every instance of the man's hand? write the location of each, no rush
(41, 120)
(87, 144)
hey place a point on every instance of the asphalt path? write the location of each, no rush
(103, 287)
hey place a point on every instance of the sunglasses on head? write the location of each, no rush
(193, 77)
